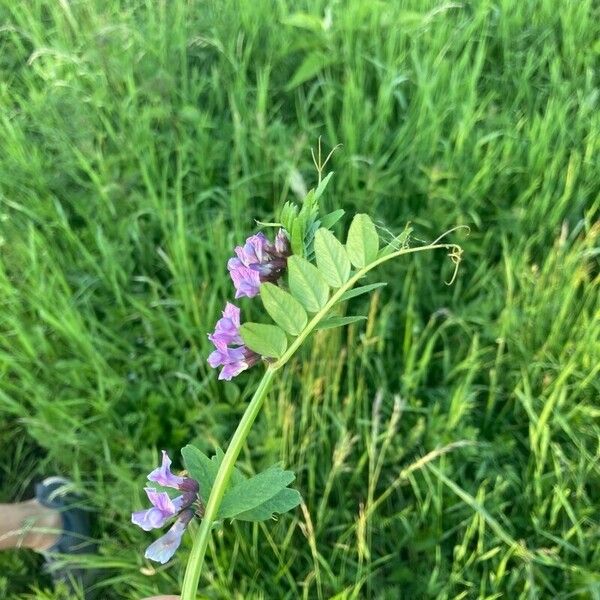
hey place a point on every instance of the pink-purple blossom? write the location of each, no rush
(230, 352)
(163, 476)
(227, 329)
(164, 547)
(257, 261)
(164, 508)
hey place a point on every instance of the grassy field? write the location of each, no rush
(446, 449)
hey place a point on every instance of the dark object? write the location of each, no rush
(75, 538)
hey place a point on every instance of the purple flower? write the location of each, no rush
(165, 508)
(254, 250)
(164, 547)
(258, 260)
(163, 476)
(233, 360)
(227, 329)
(230, 352)
(245, 280)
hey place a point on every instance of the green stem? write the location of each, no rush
(196, 559)
(194, 565)
(347, 286)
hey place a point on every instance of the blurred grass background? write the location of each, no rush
(448, 448)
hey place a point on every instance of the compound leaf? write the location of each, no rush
(254, 492)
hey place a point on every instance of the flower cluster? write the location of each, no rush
(230, 353)
(164, 508)
(257, 261)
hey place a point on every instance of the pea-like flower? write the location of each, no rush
(257, 261)
(230, 352)
(164, 508)
(227, 329)
(164, 547)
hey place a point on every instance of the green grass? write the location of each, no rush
(448, 448)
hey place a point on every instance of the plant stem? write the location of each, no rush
(194, 565)
(342, 290)
(196, 559)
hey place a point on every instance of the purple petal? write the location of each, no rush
(217, 358)
(232, 312)
(226, 356)
(254, 250)
(228, 372)
(227, 329)
(160, 500)
(248, 288)
(233, 360)
(163, 508)
(239, 359)
(143, 519)
(245, 279)
(164, 547)
(152, 518)
(163, 476)
(234, 263)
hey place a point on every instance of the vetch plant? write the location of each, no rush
(303, 277)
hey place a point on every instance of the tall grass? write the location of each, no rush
(446, 449)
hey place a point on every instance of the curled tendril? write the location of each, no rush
(455, 255)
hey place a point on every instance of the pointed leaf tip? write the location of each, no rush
(363, 289)
(337, 321)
